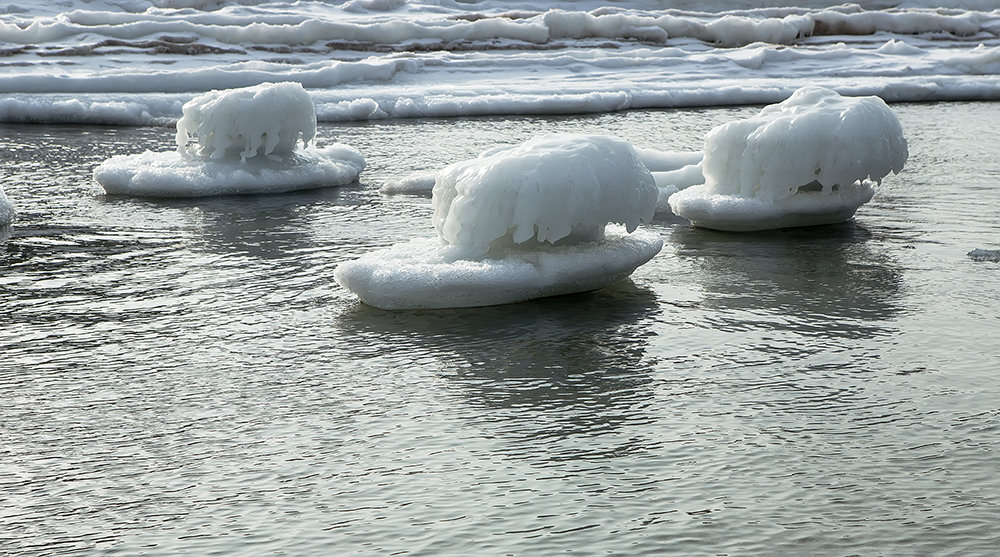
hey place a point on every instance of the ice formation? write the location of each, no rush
(811, 159)
(6, 210)
(519, 223)
(239, 141)
(136, 61)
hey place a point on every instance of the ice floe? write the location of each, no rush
(554, 215)
(238, 141)
(812, 159)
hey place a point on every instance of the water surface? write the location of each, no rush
(185, 376)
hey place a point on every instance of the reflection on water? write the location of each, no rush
(185, 376)
(552, 369)
(819, 280)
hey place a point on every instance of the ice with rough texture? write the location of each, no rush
(241, 141)
(518, 223)
(6, 210)
(980, 254)
(266, 119)
(170, 174)
(811, 159)
(419, 274)
(136, 61)
(550, 188)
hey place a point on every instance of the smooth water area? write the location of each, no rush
(184, 376)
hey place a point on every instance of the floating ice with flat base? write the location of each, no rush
(519, 223)
(419, 274)
(239, 141)
(812, 159)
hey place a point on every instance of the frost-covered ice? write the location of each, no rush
(138, 61)
(266, 120)
(240, 141)
(6, 210)
(811, 159)
(518, 223)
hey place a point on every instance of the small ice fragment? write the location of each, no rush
(985, 255)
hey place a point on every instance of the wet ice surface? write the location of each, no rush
(185, 375)
(139, 61)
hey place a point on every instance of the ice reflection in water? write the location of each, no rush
(185, 376)
(552, 373)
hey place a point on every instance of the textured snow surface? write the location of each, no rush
(811, 159)
(420, 274)
(552, 188)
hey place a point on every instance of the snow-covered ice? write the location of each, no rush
(518, 223)
(138, 61)
(240, 141)
(811, 159)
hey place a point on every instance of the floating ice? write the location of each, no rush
(672, 171)
(419, 274)
(549, 188)
(519, 223)
(262, 120)
(812, 159)
(239, 141)
(979, 254)
(6, 210)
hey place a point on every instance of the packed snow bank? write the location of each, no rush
(240, 141)
(519, 223)
(809, 160)
(6, 210)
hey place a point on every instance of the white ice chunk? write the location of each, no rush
(6, 209)
(172, 174)
(800, 162)
(417, 183)
(237, 141)
(550, 188)
(420, 274)
(262, 120)
(518, 223)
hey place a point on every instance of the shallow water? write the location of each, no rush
(185, 376)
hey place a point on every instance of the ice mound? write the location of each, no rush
(550, 188)
(6, 210)
(237, 141)
(812, 159)
(519, 223)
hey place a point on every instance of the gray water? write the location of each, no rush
(185, 376)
